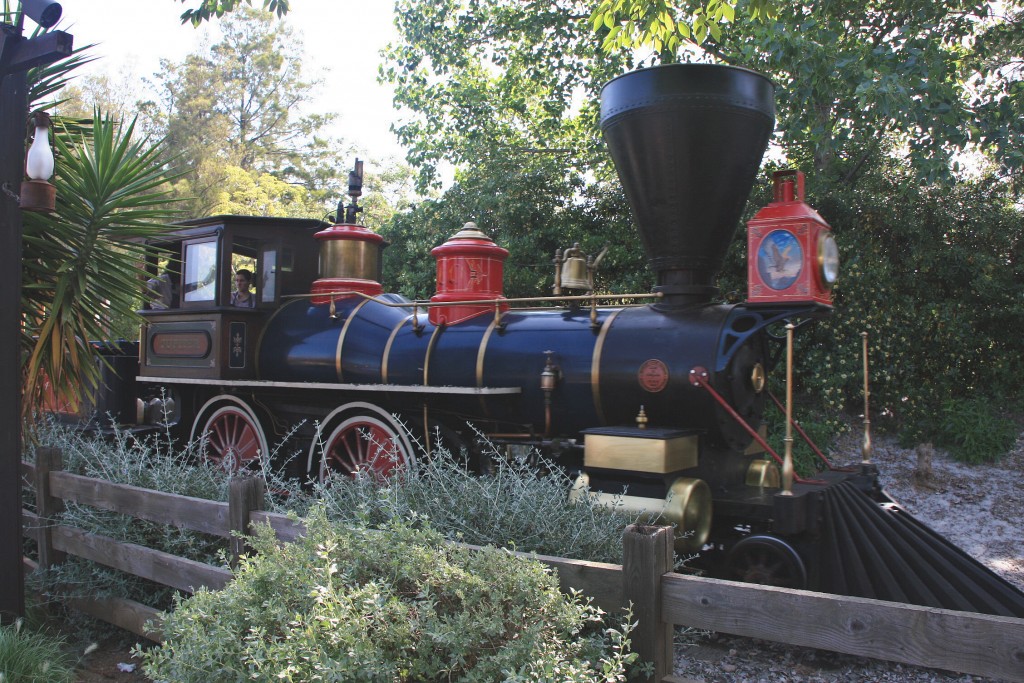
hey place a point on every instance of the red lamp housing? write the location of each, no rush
(791, 254)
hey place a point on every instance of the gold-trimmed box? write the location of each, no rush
(657, 451)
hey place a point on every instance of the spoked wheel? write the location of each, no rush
(361, 438)
(766, 560)
(231, 433)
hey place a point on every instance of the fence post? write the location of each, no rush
(47, 507)
(245, 494)
(646, 556)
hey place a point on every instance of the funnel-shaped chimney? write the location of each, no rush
(687, 141)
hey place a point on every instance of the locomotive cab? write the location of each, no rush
(196, 332)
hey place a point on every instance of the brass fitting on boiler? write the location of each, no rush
(549, 378)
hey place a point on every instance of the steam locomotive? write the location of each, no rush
(655, 403)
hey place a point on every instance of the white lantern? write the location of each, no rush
(37, 194)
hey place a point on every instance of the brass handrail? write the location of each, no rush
(430, 304)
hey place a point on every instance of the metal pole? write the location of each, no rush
(13, 108)
(787, 459)
(866, 448)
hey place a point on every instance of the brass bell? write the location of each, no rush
(574, 274)
(575, 270)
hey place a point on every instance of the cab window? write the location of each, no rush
(200, 281)
(268, 275)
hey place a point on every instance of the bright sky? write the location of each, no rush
(342, 39)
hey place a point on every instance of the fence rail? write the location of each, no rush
(959, 641)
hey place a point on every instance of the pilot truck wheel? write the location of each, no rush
(767, 560)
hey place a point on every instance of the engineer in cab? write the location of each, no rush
(243, 295)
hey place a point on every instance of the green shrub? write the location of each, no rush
(513, 507)
(33, 657)
(400, 604)
(521, 504)
(147, 463)
(934, 276)
(974, 431)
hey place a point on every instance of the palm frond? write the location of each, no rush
(47, 80)
(83, 264)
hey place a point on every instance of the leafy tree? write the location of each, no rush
(891, 75)
(507, 91)
(927, 79)
(497, 80)
(117, 95)
(531, 211)
(236, 107)
(207, 9)
(259, 194)
(1001, 96)
(657, 23)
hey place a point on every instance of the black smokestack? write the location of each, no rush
(687, 142)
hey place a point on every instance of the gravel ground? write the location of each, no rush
(979, 508)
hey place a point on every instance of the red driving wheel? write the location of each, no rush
(362, 443)
(233, 438)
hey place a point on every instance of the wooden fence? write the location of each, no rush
(959, 641)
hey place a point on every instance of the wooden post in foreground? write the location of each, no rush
(244, 495)
(646, 556)
(18, 54)
(47, 507)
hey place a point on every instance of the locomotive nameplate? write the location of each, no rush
(180, 344)
(654, 453)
